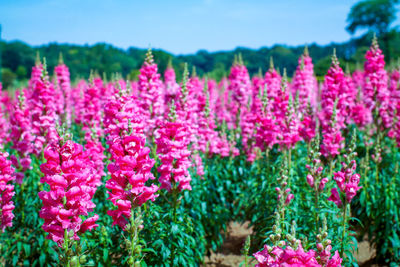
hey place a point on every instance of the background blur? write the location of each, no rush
(112, 36)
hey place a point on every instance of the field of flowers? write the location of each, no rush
(151, 172)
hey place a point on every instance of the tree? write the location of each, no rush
(8, 77)
(375, 15)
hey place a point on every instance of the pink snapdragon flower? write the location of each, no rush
(4, 121)
(41, 103)
(130, 169)
(272, 81)
(21, 136)
(304, 83)
(172, 148)
(68, 173)
(333, 96)
(198, 161)
(376, 93)
(78, 101)
(361, 114)
(267, 131)
(239, 85)
(130, 166)
(347, 181)
(151, 90)
(92, 107)
(172, 89)
(333, 142)
(286, 118)
(277, 256)
(308, 124)
(334, 113)
(6, 191)
(63, 79)
(94, 151)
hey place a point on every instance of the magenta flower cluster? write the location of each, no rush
(347, 181)
(69, 175)
(277, 257)
(6, 191)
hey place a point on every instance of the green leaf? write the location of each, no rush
(15, 260)
(27, 249)
(105, 255)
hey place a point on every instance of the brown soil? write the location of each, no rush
(231, 252)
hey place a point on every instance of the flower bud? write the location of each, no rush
(288, 199)
(272, 237)
(310, 180)
(71, 233)
(74, 261)
(82, 260)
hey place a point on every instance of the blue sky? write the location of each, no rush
(178, 26)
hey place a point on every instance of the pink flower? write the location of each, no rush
(276, 256)
(6, 191)
(375, 91)
(199, 165)
(335, 197)
(239, 85)
(130, 166)
(335, 261)
(310, 180)
(272, 81)
(41, 104)
(333, 142)
(347, 181)
(172, 89)
(130, 169)
(150, 90)
(322, 183)
(351, 191)
(361, 114)
(304, 83)
(172, 148)
(340, 179)
(288, 199)
(63, 79)
(21, 136)
(92, 107)
(67, 172)
(94, 152)
(307, 128)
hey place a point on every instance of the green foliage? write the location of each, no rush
(375, 15)
(8, 77)
(377, 205)
(18, 58)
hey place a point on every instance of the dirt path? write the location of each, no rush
(231, 253)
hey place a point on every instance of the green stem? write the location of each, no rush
(174, 208)
(344, 229)
(331, 165)
(66, 246)
(316, 210)
(134, 238)
(290, 162)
